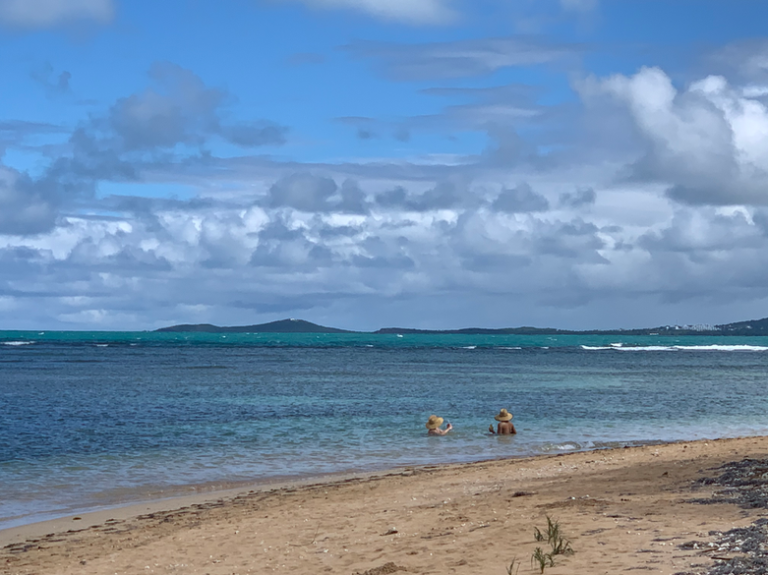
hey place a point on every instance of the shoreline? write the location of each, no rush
(621, 508)
(203, 492)
(124, 511)
(186, 495)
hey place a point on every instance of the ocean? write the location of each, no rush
(92, 420)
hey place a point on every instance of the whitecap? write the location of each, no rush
(469, 347)
(18, 342)
(102, 345)
(647, 348)
(628, 348)
(721, 347)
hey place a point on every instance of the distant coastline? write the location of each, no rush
(742, 328)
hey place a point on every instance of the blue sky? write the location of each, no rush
(369, 163)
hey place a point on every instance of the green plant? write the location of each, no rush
(560, 545)
(514, 567)
(543, 559)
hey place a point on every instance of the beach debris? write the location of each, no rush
(385, 569)
(740, 551)
(390, 531)
(744, 483)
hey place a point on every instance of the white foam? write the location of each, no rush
(469, 347)
(722, 347)
(647, 348)
(621, 347)
(102, 345)
(18, 342)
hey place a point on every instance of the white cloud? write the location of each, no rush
(708, 142)
(542, 238)
(52, 13)
(407, 11)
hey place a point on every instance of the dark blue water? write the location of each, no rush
(92, 419)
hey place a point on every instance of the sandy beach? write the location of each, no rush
(632, 509)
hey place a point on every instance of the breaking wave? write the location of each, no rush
(621, 347)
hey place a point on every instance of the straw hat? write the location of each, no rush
(504, 415)
(434, 422)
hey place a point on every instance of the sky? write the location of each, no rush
(579, 164)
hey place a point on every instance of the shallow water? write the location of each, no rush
(90, 420)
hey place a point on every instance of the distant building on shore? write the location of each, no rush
(692, 327)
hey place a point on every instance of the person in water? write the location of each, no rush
(433, 425)
(505, 426)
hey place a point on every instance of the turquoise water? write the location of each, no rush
(91, 420)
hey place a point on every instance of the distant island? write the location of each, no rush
(751, 327)
(282, 326)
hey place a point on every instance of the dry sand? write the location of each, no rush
(622, 510)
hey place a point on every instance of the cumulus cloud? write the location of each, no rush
(404, 11)
(299, 252)
(311, 193)
(577, 199)
(444, 195)
(34, 14)
(520, 199)
(439, 241)
(162, 127)
(707, 142)
(180, 109)
(26, 206)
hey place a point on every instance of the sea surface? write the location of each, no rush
(92, 420)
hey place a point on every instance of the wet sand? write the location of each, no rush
(622, 510)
